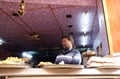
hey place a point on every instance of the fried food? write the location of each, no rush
(12, 60)
(44, 63)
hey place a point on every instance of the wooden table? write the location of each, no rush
(42, 73)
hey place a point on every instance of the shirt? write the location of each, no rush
(72, 56)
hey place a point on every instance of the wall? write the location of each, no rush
(112, 16)
(102, 35)
(97, 41)
(103, 31)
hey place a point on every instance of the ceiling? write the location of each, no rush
(44, 22)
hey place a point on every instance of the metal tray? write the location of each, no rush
(105, 66)
(108, 67)
(13, 66)
(61, 66)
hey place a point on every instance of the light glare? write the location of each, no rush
(85, 22)
(84, 40)
(25, 54)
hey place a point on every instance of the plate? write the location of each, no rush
(13, 66)
(63, 66)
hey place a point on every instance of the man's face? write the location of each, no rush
(66, 43)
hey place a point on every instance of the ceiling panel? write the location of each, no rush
(65, 2)
(46, 20)
(8, 26)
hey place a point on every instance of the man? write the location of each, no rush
(69, 55)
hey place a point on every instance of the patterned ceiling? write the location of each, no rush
(47, 20)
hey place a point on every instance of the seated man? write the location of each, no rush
(69, 55)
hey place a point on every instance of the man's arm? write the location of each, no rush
(76, 59)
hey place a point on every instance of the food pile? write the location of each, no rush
(89, 53)
(12, 60)
(44, 63)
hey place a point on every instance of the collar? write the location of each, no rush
(67, 51)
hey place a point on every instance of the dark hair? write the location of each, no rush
(70, 38)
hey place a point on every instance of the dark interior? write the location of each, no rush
(40, 27)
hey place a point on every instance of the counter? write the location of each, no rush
(37, 73)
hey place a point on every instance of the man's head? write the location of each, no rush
(67, 42)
